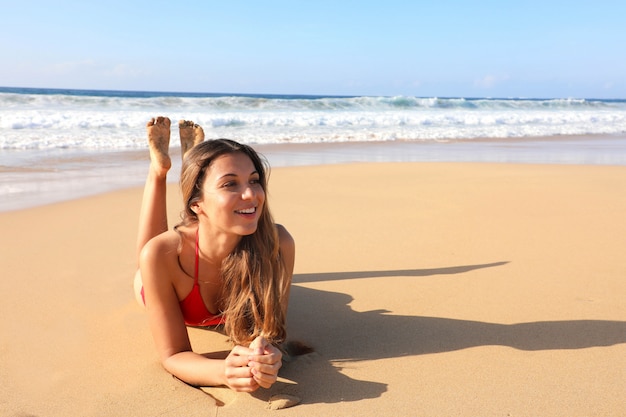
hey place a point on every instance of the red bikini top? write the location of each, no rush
(193, 308)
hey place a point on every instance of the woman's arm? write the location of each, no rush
(234, 371)
(158, 263)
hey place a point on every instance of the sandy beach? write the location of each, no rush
(426, 288)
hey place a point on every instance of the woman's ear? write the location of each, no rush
(195, 207)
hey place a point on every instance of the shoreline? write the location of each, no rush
(30, 179)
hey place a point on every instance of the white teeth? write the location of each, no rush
(247, 211)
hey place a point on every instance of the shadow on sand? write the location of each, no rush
(340, 334)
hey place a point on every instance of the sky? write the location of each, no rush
(442, 48)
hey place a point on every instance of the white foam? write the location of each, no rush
(49, 121)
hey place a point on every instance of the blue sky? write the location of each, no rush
(438, 48)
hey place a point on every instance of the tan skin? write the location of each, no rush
(231, 204)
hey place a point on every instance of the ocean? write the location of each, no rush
(59, 144)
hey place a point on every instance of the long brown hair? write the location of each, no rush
(253, 274)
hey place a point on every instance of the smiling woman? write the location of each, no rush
(227, 262)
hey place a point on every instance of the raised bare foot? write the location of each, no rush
(159, 141)
(191, 134)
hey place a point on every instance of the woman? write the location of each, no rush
(226, 262)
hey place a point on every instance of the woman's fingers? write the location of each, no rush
(262, 379)
(257, 365)
(238, 374)
(270, 356)
(265, 367)
(259, 345)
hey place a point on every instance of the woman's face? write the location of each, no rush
(232, 195)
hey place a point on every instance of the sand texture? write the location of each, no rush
(426, 289)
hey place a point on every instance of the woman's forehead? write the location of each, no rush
(235, 163)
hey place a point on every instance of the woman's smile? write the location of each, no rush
(232, 186)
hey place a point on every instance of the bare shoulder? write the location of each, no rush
(287, 248)
(163, 244)
(161, 252)
(284, 237)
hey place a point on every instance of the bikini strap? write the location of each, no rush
(197, 255)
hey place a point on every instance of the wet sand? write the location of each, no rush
(32, 178)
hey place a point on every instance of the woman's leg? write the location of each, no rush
(153, 214)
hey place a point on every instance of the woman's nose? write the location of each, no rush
(248, 192)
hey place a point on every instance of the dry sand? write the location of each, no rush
(427, 289)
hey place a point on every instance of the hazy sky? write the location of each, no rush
(500, 48)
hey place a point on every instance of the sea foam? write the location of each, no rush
(116, 120)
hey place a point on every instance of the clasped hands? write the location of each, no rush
(248, 368)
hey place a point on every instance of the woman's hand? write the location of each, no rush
(238, 374)
(248, 368)
(264, 362)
